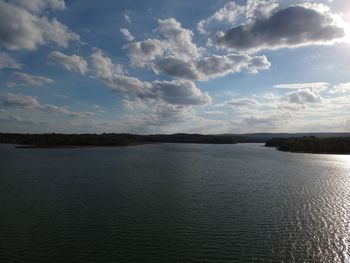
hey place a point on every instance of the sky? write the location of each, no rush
(200, 66)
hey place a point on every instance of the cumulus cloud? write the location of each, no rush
(211, 67)
(176, 42)
(179, 92)
(6, 61)
(32, 80)
(177, 56)
(73, 63)
(143, 53)
(340, 88)
(126, 34)
(289, 27)
(234, 14)
(31, 102)
(179, 39)
(114, 76)
(304, 96)
(23, 27)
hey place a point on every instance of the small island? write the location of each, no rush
(312, 144)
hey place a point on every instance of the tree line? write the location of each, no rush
(312, 144)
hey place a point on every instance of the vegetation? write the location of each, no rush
(109, 139)
(69, 140)
(312, 144)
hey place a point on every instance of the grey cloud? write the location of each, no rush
(72, 63)
(304, 96)
(10, 84)
(142, 53)
(212, 66)
(65, 111)
(233, 13)
(7, 61)
(32, 80)
(179, 92)
(289, 27)
(19, 100)
(241, 103)
(40, 5)
(22, 29)
(31, 102)
(177, 68)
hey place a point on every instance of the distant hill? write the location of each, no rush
(263, 137)
(312, 144)
(123, 139)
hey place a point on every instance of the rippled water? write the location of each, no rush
(173, 202)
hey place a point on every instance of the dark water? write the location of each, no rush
(173, 203)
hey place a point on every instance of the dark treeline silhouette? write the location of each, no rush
(111, 139)
(57, 140)
(312, 144)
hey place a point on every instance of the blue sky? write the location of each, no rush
(174, 66)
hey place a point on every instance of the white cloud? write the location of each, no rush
(304, 96)
(72, 63)
(31, 102)
(143, 53)
(176, 42)
(22, 28)
(114, 76)
(341, 88)
(8, 62)
(177, 92)
(310, 85)
(177, 56)
(32, 80)
(127, 18)
(40, 5)
(234, 14)
(126, 34)
(179, 39)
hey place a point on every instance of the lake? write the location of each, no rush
(173, 203)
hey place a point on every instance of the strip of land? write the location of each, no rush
(336, 143)
(312, 144)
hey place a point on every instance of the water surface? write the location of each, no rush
(173, 203)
